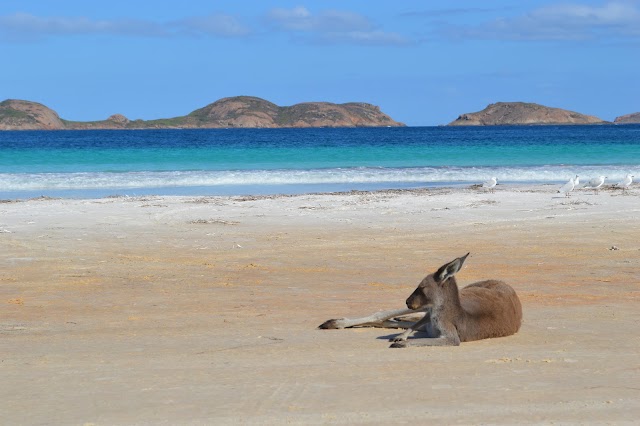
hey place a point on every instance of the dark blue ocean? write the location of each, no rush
(100, 163)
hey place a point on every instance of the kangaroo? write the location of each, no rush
(481, 310)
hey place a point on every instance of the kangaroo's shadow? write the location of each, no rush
(416, 335)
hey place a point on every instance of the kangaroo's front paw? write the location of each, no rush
(332, 324)
(400, 344)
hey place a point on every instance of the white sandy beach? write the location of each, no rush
(203, 310)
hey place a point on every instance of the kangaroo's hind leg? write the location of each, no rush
(383, 319)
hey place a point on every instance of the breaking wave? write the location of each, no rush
(345, 176)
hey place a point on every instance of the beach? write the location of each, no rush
(204, 310)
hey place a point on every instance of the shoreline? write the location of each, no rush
(203, 309)
(252, 191)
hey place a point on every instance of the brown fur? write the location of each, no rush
(481, 310)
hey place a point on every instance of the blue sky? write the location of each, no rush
(422, 62)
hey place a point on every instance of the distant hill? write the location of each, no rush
(628, 119)
(521, 113)
(239, 112)
(25, 115)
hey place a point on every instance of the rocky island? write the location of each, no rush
(522, 113)
(237, 112)
(628, 119)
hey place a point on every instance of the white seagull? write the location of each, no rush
(596, 183)
(626, 182)
(490, 184)
(569, 186)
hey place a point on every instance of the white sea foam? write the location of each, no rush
(417, 176)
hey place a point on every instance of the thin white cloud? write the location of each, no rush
(562, 22)
(331, 26)
(366, 38)
(300, 19)
(29, 27)
(296, 19)
(328, 26)
(437, 13)
(26, 27)
(610, 20)
(218, 25)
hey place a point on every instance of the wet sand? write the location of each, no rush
(188, 310)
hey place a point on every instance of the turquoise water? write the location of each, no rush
(264, 161)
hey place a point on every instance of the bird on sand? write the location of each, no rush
(490, 184)
(569, 186)
(596, 183)
(626, 182)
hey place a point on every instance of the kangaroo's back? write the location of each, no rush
(491, 309)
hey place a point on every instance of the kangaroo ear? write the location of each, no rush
(448, 270)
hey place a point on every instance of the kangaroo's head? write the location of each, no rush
(429, 291)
